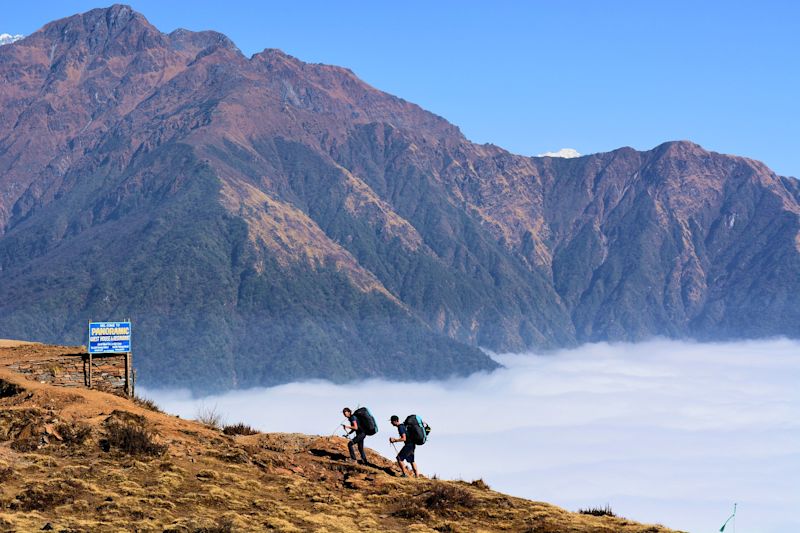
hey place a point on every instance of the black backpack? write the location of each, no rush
(366, 422)
(416, 430)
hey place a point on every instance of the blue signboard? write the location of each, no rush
(109, 337)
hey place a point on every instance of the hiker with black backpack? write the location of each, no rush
(362, 423)
(407, 451)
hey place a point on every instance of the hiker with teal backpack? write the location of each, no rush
(412, 431)
(363, 424)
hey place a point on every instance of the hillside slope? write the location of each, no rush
(263, 219)
(60, 465)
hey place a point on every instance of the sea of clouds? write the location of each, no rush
(664, 432)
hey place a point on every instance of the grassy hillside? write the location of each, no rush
(82, 460)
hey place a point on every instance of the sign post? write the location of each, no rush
(111, 337)
(128, 380)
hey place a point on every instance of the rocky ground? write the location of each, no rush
(83, 460)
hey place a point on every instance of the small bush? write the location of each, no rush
(443, 496)
(209, 416)
(598, 511)
(74, 434)
(6, 473)
(132, 439)
(239, 429)
(8, 389)
(147, 403)
(480, 484)
(125, 417)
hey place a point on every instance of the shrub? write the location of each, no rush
(443, 496)
(132, 439)
(6, 473)
(239, 429)
(480, 484)
(125, 417)
(147, 403)
(8, 389)
(209, 416)
(74, 434)
(598, 511)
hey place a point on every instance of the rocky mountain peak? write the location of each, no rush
(183, 38)
(117, 25)
(344, 228)
(680, 148)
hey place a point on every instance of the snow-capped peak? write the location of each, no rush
(7, 38)
(564, 152)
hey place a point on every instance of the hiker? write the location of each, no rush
(407, 451)
(362, 424)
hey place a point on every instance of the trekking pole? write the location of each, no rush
(393, 446)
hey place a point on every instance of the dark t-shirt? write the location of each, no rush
(407, 452)
(354, 421)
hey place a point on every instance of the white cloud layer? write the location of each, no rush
(564, 152)
(7, 38)
(665, 432)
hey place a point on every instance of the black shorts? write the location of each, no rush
(407, 452)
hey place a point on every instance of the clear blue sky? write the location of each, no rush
(538, 76)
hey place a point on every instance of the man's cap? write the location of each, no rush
(394, 418)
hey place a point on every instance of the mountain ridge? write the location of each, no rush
(287, 220)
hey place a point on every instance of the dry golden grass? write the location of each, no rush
(11, 343)
(203, 480)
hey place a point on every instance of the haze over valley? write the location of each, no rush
(664, 432)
